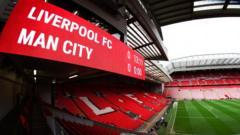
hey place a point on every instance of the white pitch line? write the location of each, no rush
(183, 134)
(196, 117)
(175, 104)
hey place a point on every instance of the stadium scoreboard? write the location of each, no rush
(39, 29)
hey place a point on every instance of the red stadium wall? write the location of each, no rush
(222, 84)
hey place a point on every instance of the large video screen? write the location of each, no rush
(42, 30)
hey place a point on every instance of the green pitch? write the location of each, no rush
(216, 117)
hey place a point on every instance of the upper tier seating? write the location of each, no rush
(203, 78)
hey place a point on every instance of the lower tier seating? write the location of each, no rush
(223, 92)
(97, 108)
(74, 128)
(110, 106)
(127, 105)
(65, 103)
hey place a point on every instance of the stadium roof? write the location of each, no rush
(142, 34)
(202, 62)
(155, 73)
(167, 12)
(141, 41)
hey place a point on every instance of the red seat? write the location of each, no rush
(122, 121)
(128, 105)
(63, 102)
(74, 128)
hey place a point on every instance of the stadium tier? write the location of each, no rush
(64, 102)
(127, 111)
(204, 85)
(204, 82)
(128, 106)
(91, 105)
(204, 93)
(74, 128)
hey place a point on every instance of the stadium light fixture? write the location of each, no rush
(53, 81)
(34, 72)
(208, 2)
(208, 8)
(75, 12)
(73, 76)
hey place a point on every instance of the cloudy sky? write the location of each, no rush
(205, 36)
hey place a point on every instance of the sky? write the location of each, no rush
(204, 36)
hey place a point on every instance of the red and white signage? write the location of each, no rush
(42, 30)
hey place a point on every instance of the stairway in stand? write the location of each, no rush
(39, 124)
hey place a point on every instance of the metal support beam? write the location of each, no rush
(132, 20)
(226, 4)
(144, 45)
(116, 20)
(144, 19)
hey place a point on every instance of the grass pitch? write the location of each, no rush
(210, 117)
